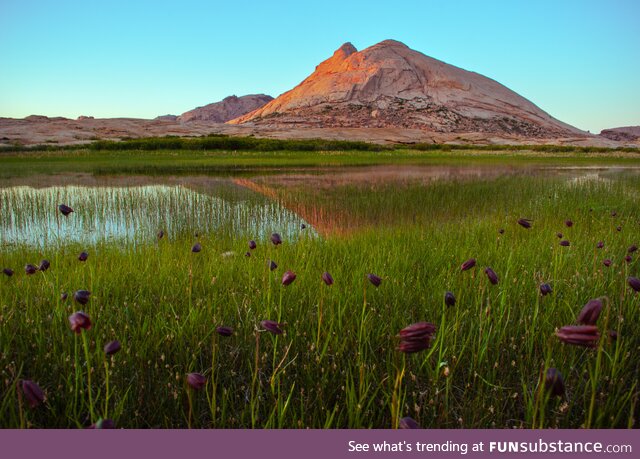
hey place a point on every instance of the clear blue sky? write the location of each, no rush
(578, 60)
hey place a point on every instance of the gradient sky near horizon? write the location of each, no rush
(577, 60)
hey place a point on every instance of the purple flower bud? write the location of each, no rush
(416, 337)
(467, 265)
(590, 312)
(614, 213)
(628, 259)
(560, 235)
(64, 296)
(160, 234)
(196, 381)
(288, 278)
(326, 278)
(83, 256)
(569, 223)
(565, 243)
(64, 209)
(44, 265)
(525, 222)
(272, 265)
(501, 231)
(634, 283)
(79, 321)
(632, 248)
(408, 423)
(600, 245)
(112, 347)
(30, 269)
(579, 335)
(613, 335)
(197, 247)
(493, 277)
(103, 424)
(276, 239)
(545, 289)
(224, 331)
(82, 296)
(272, 326)
(449, 299)
(375, 280)
(606, 262)
(8, 272)
(618, 228)
(247, 254)
(252, 245)
(32, 392)
(554, 383)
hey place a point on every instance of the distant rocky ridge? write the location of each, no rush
(390, 85)
(622, 134)
(227, 109)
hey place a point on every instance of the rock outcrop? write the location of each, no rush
(227, 109)
(391, 85)
(622, 134)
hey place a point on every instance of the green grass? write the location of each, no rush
(336, 365)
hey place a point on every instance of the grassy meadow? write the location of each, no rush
(336, 365)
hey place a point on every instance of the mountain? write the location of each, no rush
(622, 134)
(227, 109)
(390, 85)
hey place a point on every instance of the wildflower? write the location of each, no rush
(44, 265)
(276, 239)
(493, 277)
(252, 245)
(82, 296)
(79, 321)
(579, 335)
(64, 209)
(565, 243)
(545, 289)
(554, 383)
(326, 278)
(600, 245)
(112, 347)
(634, 283)
(470, 263)
(606, 262)
(272, 265)
(197, 247)
(272, 326)
(375, 280)
(449, 299)
(569, 223)
(8, 272)
(224, 331)
(525, 222)
(83, 256)
(32, 392)
(590, 312)
(288, 278)
(416, 337)
(103, 424)
(196, 381)
(30, 269)
(408, 423)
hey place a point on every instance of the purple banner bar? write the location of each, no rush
(324, 444)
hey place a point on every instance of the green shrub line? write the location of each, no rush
(230, 143)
